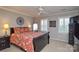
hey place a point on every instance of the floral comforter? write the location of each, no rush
(25, 40)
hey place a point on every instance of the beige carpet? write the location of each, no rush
(54, 46)
(58, 46)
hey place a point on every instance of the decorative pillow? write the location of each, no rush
(21, 29)
(26, 29)
(17, 30)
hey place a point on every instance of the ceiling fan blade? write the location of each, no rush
(41, 11)
(41, 8)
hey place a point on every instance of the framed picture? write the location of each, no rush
(20, 20)
(52, 23)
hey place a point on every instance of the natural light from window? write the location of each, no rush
(64, 25)
(44, 25)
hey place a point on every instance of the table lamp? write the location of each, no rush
(6, 27)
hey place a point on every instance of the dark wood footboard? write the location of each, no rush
(40, 42)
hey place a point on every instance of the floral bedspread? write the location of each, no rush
(25, 40)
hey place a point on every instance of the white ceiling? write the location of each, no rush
(34, 10)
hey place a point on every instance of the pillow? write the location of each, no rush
(21, 29)
(16, 30)
(26, 29)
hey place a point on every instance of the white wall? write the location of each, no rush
(54, 34)
(10, 18)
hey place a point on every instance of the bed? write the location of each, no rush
(29, 41)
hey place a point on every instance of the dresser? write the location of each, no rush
(4, 42)
(73, 29)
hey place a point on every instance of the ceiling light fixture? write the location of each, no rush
(41, 10)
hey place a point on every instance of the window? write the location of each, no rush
(35, 26)
(44, 25)
(63, 25)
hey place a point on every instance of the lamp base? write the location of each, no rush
(5, 34)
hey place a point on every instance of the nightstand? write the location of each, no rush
(4, 42)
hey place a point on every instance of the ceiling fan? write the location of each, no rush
(41, 10)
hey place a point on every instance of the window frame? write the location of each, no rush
(64, 18)
(42, 25)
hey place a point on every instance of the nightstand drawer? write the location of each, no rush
(2, 46)
(2, 41)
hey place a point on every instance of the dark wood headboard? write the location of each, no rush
(11, 31)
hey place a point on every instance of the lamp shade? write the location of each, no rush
(29, 26)
(6, 26)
